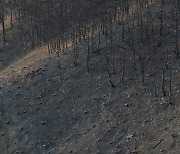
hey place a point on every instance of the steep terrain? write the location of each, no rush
(112, 109)
(68, 110)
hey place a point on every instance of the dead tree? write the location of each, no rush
(161, 17)
(74, 44)
(88, 50)
(99, 39)
(109, 72)
(92, 38)
(163, 82)
(152, 34)
(142, 68)
(11, 12)
(155, 84)
(177, 30)
(57, 51)
(170, 86)
(2, 19)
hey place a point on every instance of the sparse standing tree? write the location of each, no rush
(2, 18)
(163, 82)
(177, 31)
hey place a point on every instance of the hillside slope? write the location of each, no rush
(68, 110)
(115, 108)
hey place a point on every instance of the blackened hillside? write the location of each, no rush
(110, 84)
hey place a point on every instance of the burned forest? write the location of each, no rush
(89, 76)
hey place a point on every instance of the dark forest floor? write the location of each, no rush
(49, 110)
(44, 109)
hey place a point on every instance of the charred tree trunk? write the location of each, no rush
(2, 18)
